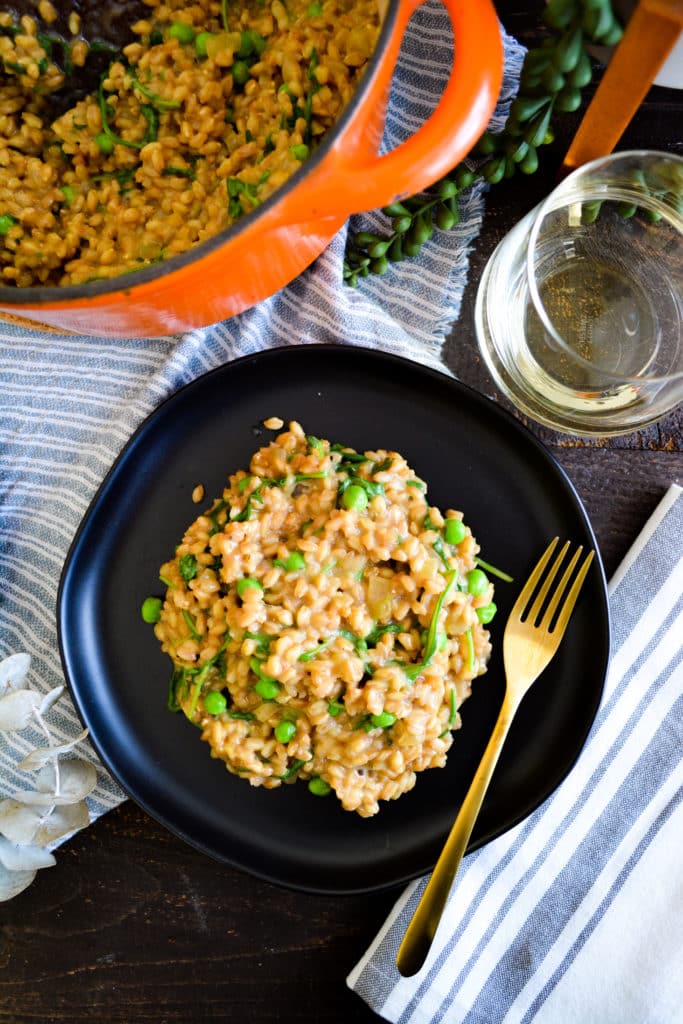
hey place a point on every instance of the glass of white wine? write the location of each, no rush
(579, 313)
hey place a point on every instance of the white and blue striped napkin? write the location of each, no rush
(69, 404)
(575, 916)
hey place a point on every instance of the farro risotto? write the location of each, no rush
(325, 622)
(209, 108)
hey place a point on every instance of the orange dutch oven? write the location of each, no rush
(269, 247)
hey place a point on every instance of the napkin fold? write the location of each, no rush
(69, 404)
(575, 916)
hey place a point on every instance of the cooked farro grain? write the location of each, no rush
(320, 624)
(203, 115)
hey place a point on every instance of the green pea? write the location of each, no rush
(299, 152)
(293, 563)
(395, 251)
(151, 609)
(494, 170)
(552, 79)
(240, 72)
(558, 13)
(529, 165)
(516, 149)
(412, 249)
(566, 53)
(534, 133)
(378, 249)
(443, 218)
(464, 176)
(568, 100)
(200, 43)
(486, 145)
(318, 787)
(395, 210)
(334, 707)
(215, 703)
(421, 231)
(383, 720)
(182, 32)
(258, 42)
(612, 36)
(447, 188)
(354, 498)
(104, 143)
(525, 107)
(582, 73)
(246, 45)
(6, 222)
(455, 531)
(285, 731)
(477, 582)
(268, 689)
(314, 10)
(247, 583)
(486, 612)
(252, 44)
(590, 212)
(402, 224)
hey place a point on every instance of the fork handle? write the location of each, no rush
(420, 933)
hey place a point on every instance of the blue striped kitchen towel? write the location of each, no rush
(575, 916)
(69, 404)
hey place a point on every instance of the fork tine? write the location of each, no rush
(530, 585)
(560, 589)
(543, 592)
(570, 600)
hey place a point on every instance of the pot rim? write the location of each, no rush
(53, 295)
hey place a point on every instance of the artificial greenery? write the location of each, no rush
(552, 79)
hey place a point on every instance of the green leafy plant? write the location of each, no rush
(551, 83)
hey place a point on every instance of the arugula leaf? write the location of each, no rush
(433, 638)
(293, 769)
(454, 709)
(187, 567)
(179, 677)
(263, 643)
(375, 634)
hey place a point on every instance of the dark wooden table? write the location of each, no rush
(133, 926)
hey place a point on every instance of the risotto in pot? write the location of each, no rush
(209, 108)
(325, 622)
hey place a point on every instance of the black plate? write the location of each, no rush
(475, 457)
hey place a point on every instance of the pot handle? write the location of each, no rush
(365, 180)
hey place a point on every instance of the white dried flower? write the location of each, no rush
(13, 672)
(74, 781)
(16, 710)
(51, 698)
(14, 882)
(40, 826)
(41, 755)
(24, 857)
(31, 821)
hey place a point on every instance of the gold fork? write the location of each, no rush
(528, 646)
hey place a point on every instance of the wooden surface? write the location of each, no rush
(133, 926)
